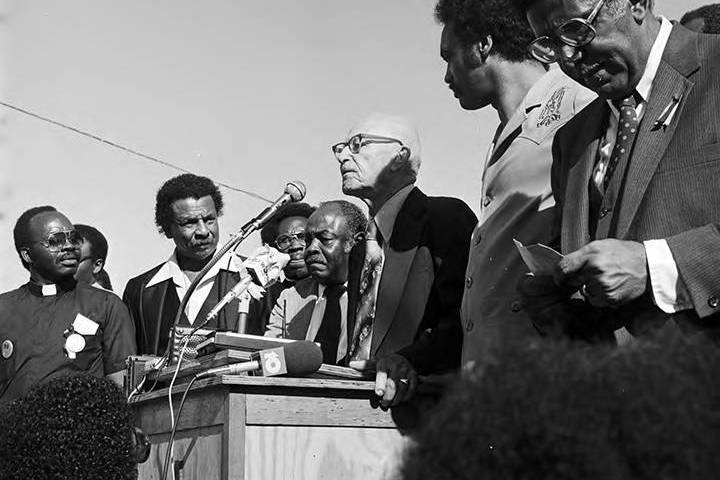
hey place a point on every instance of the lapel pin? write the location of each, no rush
(668, 113)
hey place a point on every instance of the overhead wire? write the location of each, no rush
(125, 149)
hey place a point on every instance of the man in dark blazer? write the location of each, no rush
(187, 208)
(635, 174)
(406, 315)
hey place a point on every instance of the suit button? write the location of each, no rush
(468, 282)
(714, 302)
(516, 306)
(604, 212)
(486, 200)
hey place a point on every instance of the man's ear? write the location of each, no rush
(25, 255)
(400, 160)
(98, 265)
(640, 10)
(480, 50)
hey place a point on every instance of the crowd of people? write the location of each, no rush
(606, 150)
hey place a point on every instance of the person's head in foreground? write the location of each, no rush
(76, 427)
(705, 19)
(556, 412)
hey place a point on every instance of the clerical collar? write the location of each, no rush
(51, 289)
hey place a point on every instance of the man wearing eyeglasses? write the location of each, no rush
(484, 43)
(54, 325)
(406, 278)
(315, 308)
(635, 174)
(286, 232)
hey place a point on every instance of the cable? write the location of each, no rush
(125, 149)
(168, 452)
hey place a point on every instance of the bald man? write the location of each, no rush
(405, 280)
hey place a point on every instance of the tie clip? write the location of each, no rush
(668, 113)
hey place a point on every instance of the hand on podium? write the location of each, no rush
(395, 379)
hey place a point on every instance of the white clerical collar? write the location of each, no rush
(49, 290)
(171, 270)
(386, 216)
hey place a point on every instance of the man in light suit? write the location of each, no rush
(635, 174)
(484, 43)
(406, 279)
(315, 308)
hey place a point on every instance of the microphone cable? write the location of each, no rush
(176, 422)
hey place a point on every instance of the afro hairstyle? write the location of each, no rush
(561, 412)
(710, 15)
(473, 20)
(67, 428)
(181, 187)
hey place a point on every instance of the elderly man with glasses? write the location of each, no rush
(634, 174)
(53, 325)
(406, 279)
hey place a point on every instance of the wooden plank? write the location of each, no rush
(290, 383)
(315, 411)
(234, 437)
(205, 407)
(322, 453)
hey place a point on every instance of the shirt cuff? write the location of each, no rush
(669, 291)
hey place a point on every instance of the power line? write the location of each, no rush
(125, 149)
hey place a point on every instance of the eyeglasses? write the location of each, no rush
(576, 33)
(360, 140)
(57, 240)
(285, 240)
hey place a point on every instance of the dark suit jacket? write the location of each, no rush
(668, 189)
(153, 309)
(418, 302)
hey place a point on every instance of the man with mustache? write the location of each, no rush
(54, 325)
(187, 208)
(484, 43)
(406, 279)
(634, 174)
(286, 232)
(316, 307)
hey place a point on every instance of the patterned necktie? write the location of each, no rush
(626, 132)
(369, 281)
(328, 334)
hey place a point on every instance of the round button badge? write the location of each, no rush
(75, 343)
(7, 349)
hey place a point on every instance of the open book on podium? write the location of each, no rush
(223, 348)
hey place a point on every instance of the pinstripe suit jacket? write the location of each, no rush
(667, 190)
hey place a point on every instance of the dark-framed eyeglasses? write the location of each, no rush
(576, 33)
(285, 241)
(356, 142)
(57, 240)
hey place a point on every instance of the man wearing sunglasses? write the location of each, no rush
(634, 174)
(406, 278)
(484, 43)
(54, 325)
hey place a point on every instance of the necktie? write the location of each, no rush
(328, 334)
(626, 132)
(369, 282)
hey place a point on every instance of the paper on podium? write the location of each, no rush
(539, 258)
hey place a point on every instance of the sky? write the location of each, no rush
(250, 94)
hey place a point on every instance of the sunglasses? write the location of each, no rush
(57, 240)
(285, 240)
(575, 33)
(356, 142)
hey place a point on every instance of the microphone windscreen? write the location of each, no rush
(296, 190)
(302, 358)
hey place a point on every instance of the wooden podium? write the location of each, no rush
(271, 428)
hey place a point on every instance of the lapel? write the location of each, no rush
(355, 264)
(671, 84)
(576, 208)
(398, 260)
(160, 303)
(509, 133)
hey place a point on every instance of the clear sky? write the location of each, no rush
(251, 94)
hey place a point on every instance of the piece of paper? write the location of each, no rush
(540, 259)
(84, 326)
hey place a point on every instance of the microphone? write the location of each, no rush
(294, 192)
(298, 358)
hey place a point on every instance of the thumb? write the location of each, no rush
(570, 265)
(362, 365)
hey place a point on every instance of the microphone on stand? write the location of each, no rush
(299, 358)
(294, 192)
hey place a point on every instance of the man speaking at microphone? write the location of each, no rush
(315, 308)
(187, 208)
